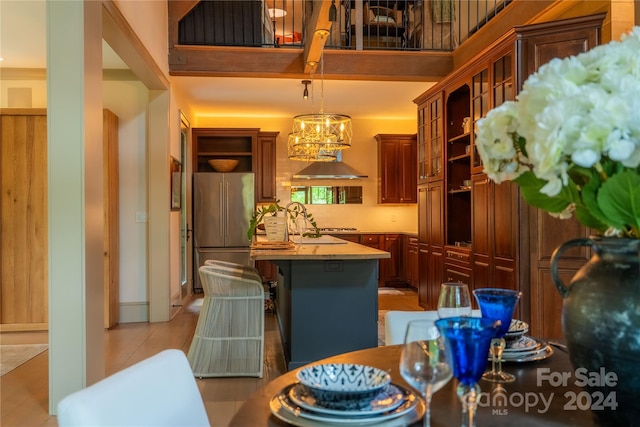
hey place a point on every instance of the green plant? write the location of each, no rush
(292, 212)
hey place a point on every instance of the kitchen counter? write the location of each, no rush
(322, 251)
(326, 298)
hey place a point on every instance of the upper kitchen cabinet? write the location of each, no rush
(266, 159)
(492, 238)
(430, 138)
(254, 150)
(397, 168)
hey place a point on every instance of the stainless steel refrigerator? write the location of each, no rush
(223, 204)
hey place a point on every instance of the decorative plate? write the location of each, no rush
(387, 400)
(407, 413)
(524, 344)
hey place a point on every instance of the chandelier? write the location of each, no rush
(317, 137)
(310, 152)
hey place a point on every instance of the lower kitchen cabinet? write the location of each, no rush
(411, 261)
(268, 270)
(389, 269)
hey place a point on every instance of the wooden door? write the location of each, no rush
(111, 221)
(23, 209)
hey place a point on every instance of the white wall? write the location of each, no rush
(370, 216)
(149, 20)
(128, 100)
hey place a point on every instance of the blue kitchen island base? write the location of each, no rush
(326, 307)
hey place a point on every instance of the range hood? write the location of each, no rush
(329, 170)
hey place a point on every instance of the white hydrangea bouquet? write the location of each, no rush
(571, 141)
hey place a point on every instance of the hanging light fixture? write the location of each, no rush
(309, 152)
(322, 132)
(306, 84)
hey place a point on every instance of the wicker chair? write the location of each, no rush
(232, 266)
(229, 336)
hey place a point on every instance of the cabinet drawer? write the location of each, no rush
(458, 257)
(457, 274)
(372, 240)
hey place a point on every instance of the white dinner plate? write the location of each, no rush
(407, 413)
(388, 399)
(539, 354)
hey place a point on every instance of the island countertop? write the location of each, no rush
(329, 249)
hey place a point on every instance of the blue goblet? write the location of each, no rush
(496, 303)
(468, 339)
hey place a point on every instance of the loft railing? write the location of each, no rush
(432, 25)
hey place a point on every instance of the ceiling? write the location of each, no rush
(23, 45)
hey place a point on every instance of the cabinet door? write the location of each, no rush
(435, 214)
(390, 271)
(388, 160)
(423, 276)
(266, 171)
(407, 171)
(435, 138)
(397, 169)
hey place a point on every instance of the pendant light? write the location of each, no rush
(321, 133)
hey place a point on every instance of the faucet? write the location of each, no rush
(293, 214)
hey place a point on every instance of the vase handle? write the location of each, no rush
(555, 257)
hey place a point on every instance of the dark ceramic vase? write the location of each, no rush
(601, 325)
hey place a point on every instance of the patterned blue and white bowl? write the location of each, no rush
(343, 386)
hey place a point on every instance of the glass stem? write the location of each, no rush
(497, 347)
(427, 409)
(468, 395)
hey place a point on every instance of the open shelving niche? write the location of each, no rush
(458, 169)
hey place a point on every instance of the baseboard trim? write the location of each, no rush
(134, 312)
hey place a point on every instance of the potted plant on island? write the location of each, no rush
(293, 212)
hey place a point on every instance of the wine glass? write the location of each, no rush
(423, 362)
(454, 300)
(468, 340)
(498, 304)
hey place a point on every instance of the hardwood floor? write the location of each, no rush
(24, 391)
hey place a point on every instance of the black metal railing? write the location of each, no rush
(434, 25)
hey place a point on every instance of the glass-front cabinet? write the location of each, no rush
(430, 140)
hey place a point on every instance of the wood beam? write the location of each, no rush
(318, 30)
(376, 65)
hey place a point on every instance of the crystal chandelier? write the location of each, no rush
(316, 137)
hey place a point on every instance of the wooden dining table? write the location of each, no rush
(546, 393)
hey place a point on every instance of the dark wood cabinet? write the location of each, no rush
(430, 139)
(389, 269)
(411, 261)
(397, 168)
(266, 167)
(492, 238)
(431, 243)
(254, 150)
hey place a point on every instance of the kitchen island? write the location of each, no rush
(327, 297)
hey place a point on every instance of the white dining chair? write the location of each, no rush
(157, 392)
(395, 323)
